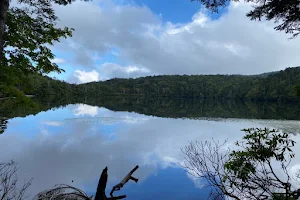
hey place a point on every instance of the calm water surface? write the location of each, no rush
(76, 142)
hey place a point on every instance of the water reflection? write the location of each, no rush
(83, 109)
(170, 108)
(77, 141)
(3, 125)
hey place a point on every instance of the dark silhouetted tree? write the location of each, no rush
(26, 31)
(284, 12)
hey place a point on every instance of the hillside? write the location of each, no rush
(276, 86)
(282, 85)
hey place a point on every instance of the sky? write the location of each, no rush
(134, 38)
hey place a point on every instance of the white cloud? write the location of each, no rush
(53, 123)
(294, 171)
(135, 120)
(83, 109)
(197, 181)
(112, 70)
(230, 44)
(84, 76)
(58, 60)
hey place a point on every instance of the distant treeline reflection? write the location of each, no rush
(162, 107)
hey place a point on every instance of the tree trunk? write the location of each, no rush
(4, 4)
(100, 193)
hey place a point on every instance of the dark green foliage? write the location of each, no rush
(26, 39)
(259, 145)
(30, 30)
(287, 12)
(297, 90)
(279, 196)
(16, 107)
(277, 86)
(3, 125)
(253, 166)
(258, 169)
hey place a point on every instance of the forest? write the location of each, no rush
(282, 85)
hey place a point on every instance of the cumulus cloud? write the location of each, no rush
(112, 70)
(197, 182)
(83, 109)
(101, 27)
(107, 71)
(230, 44)
(85, 76)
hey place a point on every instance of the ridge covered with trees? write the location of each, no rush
(283, 85)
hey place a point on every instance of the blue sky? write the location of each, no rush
(177, 11)
(134, 38)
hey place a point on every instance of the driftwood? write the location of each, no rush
(125, 180)
(67, 192)
(62, 192)
(100, 194)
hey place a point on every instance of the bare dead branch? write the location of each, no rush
(62, 191)
(9, 182)
(125, 180)
(206, 160)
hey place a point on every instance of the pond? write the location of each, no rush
(72, 144)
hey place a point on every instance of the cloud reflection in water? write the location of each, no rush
(80, 147)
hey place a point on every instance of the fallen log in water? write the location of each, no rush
(67, 192)
(125, 180)
(100, 194)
